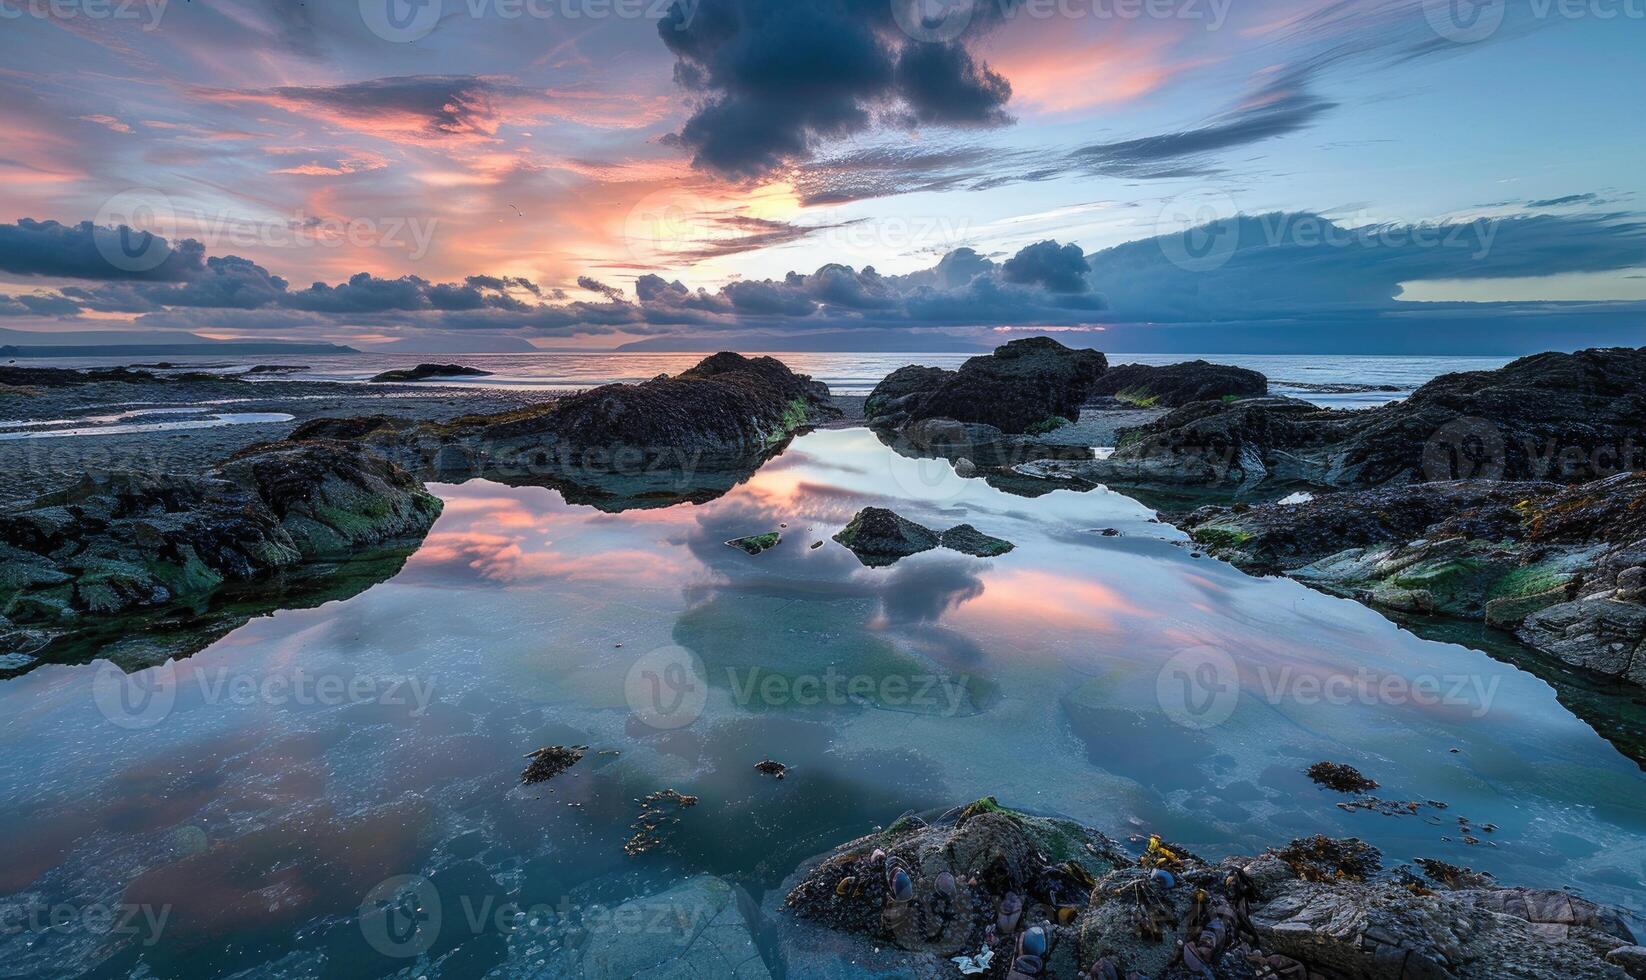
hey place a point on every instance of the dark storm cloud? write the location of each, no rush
(445, 105)
(1568, 200)
(47, 248)
(775, 78)
(1059, 268)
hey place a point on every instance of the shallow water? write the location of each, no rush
(261, 790)
(117, 424)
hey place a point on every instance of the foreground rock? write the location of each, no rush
(1560, 417)
(1176, 385)
(126, 543)
(1564, 568)
(879, 537)
(423, 372)
(690, 437)
(1027, 386)
(1033, 897)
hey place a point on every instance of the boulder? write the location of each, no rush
(1026, 386)
(1176, 385)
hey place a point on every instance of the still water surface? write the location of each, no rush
(260, 790)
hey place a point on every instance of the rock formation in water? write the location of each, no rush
(1000, 893)
(879, 537)
(423, 372)
(1025, 387)
(1567, 418)
(687, 438)
(119, 544)
(1564, 568)
(1176, 385)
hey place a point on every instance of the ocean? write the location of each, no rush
(1308, 376)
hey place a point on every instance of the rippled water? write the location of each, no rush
(121, 423)
(262, 789)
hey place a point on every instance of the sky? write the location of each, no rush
(1379, 176)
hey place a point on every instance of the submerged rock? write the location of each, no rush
(1025, 386)
(1051, 898)
(550, 762)
(754, 544)
(1564, 568)
(1176, 385)
(879, 537)
(423, 372)
(768, 767)
(1342, 778)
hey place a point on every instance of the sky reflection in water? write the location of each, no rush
(1049, 678)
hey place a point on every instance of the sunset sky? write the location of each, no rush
(586, 173)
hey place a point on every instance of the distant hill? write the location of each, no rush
(146, 343)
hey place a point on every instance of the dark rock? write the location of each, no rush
(1565, 418)
(423, 372)
(1342, 778)
(550, 762)
(970, 541)
(1023, 387)
(1176, 385)
(276, 368)
(688, 438)
(983, 447)
(879, 537)
(988, 878)
(767, 767)
(347, 429)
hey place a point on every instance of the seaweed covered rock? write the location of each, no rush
(879, 537)
(1176, 385)
(1003, 893)
(124, 542)
(1563, 567)
(973, 879)
(1023, 387)
(1565, 418)
(690, 437)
